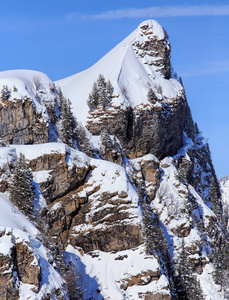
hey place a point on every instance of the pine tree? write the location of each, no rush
(61, 98)
(189, 126)
(151, 96)
(105, 139)
(93, 98)
(68, 124)
(150, 230)
(83, 141)
(218, 264)
(101, 93)
(72, 282)
(215, 199)
(109, 90)
(21, 187)
(103, 97)
(189, 282)
(221, 267)
(5, 93)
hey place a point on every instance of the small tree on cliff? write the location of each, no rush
(83, 141)
(105, 140)
(101, 93)
(215, 198)
(68, 123)
(5, 93)
(21, 186)
(93, 98)
(191, 286)
(151, 96)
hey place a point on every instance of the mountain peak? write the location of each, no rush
(152, 27)
(141, 61)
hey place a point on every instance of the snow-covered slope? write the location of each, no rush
(130, 71)
(22, 84)
(17, 232)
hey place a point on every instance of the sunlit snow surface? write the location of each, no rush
(126, 71)
(15, 223)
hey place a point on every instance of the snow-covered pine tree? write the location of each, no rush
(215, 198)
(109, 89)
(150, 230)
(93, 98)
(60, 98)
(21, 186)
(103, 97)
(101, 93)
(105, 139)
(221, 266)
(68, 124)
(189, 281)
(151, 96)
(189, 126)
(83, 141)
(5, 93)
(71, 279)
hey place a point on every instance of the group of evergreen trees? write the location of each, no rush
(71, 132)
(101, 93)
(221, 266)
(187, 280)
(183, 284)
(109, 144)
(21, 186)
(156, 244)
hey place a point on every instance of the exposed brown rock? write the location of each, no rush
(7, 290)
(158, 49)
(109, 228)
(151, 296)
(182, 230)
(27, 271)
(143, 278)
(19, 265)
(62, 178)
(142, 131)
(21, 124)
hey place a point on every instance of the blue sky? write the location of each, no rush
(61, 38)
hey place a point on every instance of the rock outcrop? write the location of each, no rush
(144, 129)
(19, 266)
(21, 124)
(155, 49)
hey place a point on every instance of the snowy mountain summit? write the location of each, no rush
(143, 93)
(139, 62)
(107, 186)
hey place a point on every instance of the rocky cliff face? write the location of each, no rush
(116, 224)
(156, 127)
(21, 124)
(143, 130)
(154, 49)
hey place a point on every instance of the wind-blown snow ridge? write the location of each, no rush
(126, 70)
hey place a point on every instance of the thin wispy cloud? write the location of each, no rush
(213, 67)
(158, 11)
